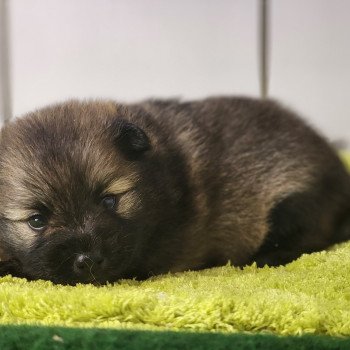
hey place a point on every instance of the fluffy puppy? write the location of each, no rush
(91, 192)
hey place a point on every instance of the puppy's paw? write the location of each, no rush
(11, 267)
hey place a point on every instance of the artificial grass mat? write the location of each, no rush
(309, 295)
(36, 338)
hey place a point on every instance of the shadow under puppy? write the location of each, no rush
(91, 192)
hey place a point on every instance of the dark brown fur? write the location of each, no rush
(198, 184)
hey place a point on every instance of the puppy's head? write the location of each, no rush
(77, 202)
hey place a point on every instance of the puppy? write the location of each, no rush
(92, 192)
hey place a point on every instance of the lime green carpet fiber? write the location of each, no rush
(310, 296)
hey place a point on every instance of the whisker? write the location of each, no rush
(90, 271)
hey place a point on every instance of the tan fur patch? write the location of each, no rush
(121, 185)
(18, 214)
(129, 204)
(27, 236)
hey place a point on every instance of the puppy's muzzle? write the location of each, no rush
(88, 265)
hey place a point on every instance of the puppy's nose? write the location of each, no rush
(86, 262)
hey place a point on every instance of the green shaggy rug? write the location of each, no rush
(309, 296)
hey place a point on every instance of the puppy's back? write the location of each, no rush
(246, 156)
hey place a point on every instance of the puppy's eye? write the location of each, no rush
(109, 202)
(37, 222)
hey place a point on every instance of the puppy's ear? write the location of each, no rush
(131, 140)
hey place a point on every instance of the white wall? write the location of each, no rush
(130, 50)
(311, 61)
